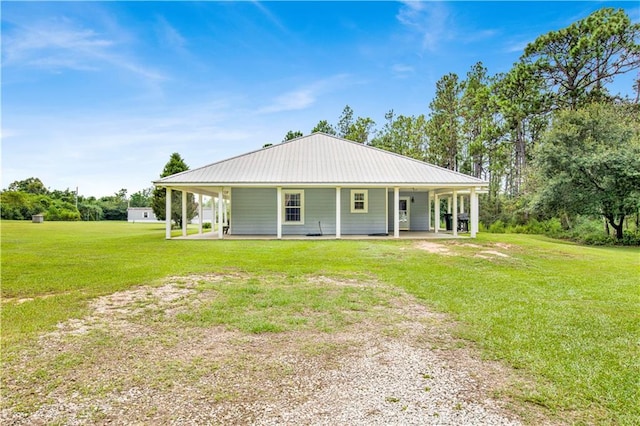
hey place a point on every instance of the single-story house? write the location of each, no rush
(322, 184)
(141, 214)
(146, 214)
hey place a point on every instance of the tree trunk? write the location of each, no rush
(616, 226)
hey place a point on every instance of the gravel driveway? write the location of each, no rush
(130, 361)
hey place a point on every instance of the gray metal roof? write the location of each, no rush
(320, 159)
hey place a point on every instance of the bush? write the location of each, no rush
(630, 238)
(497, 227)
(206, 225)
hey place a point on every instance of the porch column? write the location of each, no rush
(429, 198)
(220, 206)
(473, 216)
(224, 211)
(454, 218)
(279, 212)
(462, 204)
(168, 214)
(436, 213)
(213, 214)
(338, 213)
(200, 214)
(184, 213)
(396, 212)
(449, 205)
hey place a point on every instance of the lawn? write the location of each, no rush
(565, 315)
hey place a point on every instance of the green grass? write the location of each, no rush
(567, 315)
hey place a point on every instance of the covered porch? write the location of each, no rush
(440, 202)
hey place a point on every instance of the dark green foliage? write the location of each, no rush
(141, 198)
(323, 126)
(589, 164)
(175, 165)
(577, 61)
(443, 127)
(290, 135)
(403, 135)
(31, 185)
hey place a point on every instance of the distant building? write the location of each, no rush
(141, 214)
(145, 214)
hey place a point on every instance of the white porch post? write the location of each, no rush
(429, 197)
(200, 215)
(220, 206)
(436, 213)
(454, 218)
(449, 205)
(396, 212)
(213, 214)
(224, 211)
(462, 204)
(184, 213)
(279, 212)
(338, 213)
(473, 213)
(168, 214)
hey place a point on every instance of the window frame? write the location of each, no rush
(365, 201)
(286, 192)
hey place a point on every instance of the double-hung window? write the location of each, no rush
(293, 210)
(359, 201)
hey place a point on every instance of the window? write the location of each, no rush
(145, 215)
(359, 201)
(293, 207)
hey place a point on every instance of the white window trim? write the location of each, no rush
(284, 207)
(353, 201)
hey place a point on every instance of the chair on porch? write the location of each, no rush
(225, 228)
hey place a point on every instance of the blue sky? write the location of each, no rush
(98, 95)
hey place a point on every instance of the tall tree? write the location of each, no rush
(403, 135)
(291, 135)
(175, 165)
(361, 130)
(30, 185)
(477, 112)
(141, 198)
(577, 61)
(443, 128)
(523, 105)
(589, 163)
(345, 122)
(324, 127)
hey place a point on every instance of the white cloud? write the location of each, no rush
(402, 70)
(430, 20)
(170, 36)
(58, 44)
(305, 96)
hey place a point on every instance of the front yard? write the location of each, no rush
(107, 321)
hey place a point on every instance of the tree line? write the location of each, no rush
(25, 198)
(547, 135)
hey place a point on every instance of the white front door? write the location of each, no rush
(404, 211)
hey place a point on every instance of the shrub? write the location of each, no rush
(497, 227)
(206, 225)
(630, 239)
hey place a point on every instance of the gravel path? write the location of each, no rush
(403, 370)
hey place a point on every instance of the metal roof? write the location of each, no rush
(320, 159)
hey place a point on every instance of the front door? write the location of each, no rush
(405, 213)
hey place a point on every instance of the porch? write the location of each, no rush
(404, 235)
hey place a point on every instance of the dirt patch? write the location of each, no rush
(490, 254)
(435, 248)
(132, 360)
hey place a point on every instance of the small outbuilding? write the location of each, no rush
(37, 218)
(322, 184)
